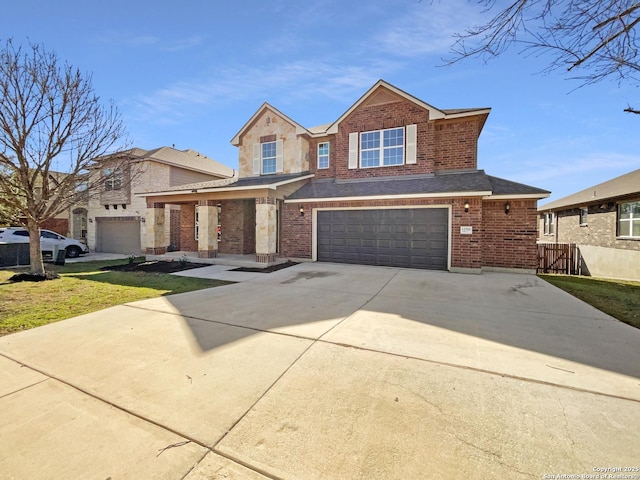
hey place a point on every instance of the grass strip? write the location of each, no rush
(618, 298)
(83, 288)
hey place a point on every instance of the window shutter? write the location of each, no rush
(257, 159)
(279, 157)
(411, 151)
(353, 150)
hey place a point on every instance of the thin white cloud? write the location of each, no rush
(131, 40)
(292, 81)
(426, 28)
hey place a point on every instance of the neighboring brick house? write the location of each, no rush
(393, 181)
(604, 222)
(114, 220)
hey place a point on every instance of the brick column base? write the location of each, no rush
(156, 250)
(207, 253)
(265, 257)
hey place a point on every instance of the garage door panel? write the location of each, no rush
(118, 236)
(415, 238)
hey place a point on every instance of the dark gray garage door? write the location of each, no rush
(415, 238)
(118, 236)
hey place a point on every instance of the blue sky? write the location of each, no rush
(191, 73)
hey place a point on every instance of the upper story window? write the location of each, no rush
(382, 148)
(549, 223)
(629, 219)
(584, 213)
(268, 156)
(113, 179)
(323, 155)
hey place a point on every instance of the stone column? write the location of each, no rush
(266, 230)
(207, 228)
(154, 226)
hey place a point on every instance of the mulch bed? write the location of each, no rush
(32, 277)
(155, 266)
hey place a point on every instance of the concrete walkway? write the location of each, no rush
(324, 371)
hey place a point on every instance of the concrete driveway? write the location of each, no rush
(324, 371)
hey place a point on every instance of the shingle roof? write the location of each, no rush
(475, 181)
(624, 185)
(231, 183)
(189, 159)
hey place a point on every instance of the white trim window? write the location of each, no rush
(549, 223)
(381, 148)
(268, 157)
(629, 220)
(323, 155)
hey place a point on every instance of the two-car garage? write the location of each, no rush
(396, 237)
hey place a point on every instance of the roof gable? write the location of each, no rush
(264, 107)
(383, 92)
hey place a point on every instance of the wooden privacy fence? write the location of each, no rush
(558, 258)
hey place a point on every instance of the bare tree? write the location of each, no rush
(591, 39)
(52, 131)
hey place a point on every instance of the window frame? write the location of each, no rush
(379, 148)
(113, 179)
(323, 156)
(630, 221)
(549, 223)
(583, 216)
(263, 158)
(196, 224)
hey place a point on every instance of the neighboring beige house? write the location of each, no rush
(604, 222)
(114, 220)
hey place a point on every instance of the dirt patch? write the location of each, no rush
(155, 266)
(272, 268)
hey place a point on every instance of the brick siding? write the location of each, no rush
(188, 242)
(509, 241)
(466, 250)
(600, 230)
(238, 227)
(441, 145)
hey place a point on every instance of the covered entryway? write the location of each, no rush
(406, 237)
(118, 235)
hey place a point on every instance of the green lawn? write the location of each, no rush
(618, 298)
(82, 288)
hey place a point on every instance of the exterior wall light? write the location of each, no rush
(302, 211)
(507, 208)
(466, 207)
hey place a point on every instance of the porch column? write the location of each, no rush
(207, 228)
(154, 227)
(266, 230)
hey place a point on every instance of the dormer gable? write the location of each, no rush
(271, 143)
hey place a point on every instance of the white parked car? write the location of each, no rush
(48, 239)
